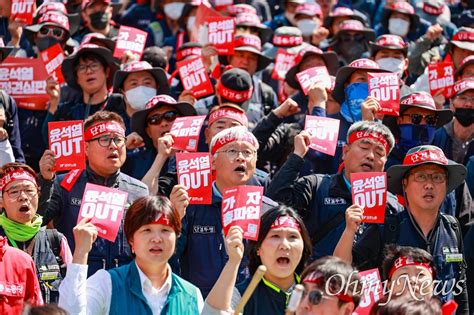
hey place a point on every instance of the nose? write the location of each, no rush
(156, 237)
(22, 195)
(284, 244)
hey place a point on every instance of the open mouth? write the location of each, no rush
(90, 80)
(366, 166)
(156, 250)
(113, 156)
(284, 261)
(240, 169)
(24, 209)
(428, 197)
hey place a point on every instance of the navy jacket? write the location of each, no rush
(13, 130)
(63, 208)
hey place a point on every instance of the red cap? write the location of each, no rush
(403, 7)
(55, 18)
(419, 98)
(389, 40)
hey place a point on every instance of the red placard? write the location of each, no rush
(202, 14)
(283, 62)
(66, 140)
(194, 172)
(222, 4)
(130, 39)
(22, 11)
(24, 79)
(313, 75)
(324, 133)
(369, 190)
(385, 88)
(194, 77)
(221, 33)
(441, 76)
(372, 291)
(105, 206)
(241, 206)
(53, 58)
(185, 131)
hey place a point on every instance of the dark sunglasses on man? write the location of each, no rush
(158, 118)
(416, 119)
(56, 32)
(316, 296)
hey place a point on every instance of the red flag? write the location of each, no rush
(324, 133)
(66, 140)
(24, 79)
(194, 77)
(22, 11)
(241, 206)
(441, 76)
(194, 172)
(105, 206)
(53, 58)
(385, 88)
(221, 34)
(283, 62)
(372, 291)
(130, 39)
(185, 131)
(369, 190)
(313, 75)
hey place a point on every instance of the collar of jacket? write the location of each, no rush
(94, 178)
(338, 188)
(275, 288)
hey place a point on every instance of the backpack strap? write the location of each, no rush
(457, 229)
(54, 238)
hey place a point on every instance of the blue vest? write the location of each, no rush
(128, 298)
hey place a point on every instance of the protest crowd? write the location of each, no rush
(237, 157)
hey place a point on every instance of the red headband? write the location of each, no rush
(287, 40)
(102, 128)
(432, 10)
(228, 112)
(162, 219)
(16, 175)
(232, 95)
(318, 278)
(286, 221)
(229, 138)
(371, 135)
(403, 261)
(425, 156)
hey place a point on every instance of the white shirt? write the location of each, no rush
(79, 295)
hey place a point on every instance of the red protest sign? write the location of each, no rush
(241, 206)
(371, 293)
(202, 14)
(24, 79)
(185, 131)
(130, 39)
(369, 190)
(222, 4)
(22, 11)
(324, 133)
(313, 75)
(66, 140)
(53, 58)
(283, 62)
(105, 207)
(194, 172)
(441, 76)
(385, 88)
(194, 77)
(221, 34)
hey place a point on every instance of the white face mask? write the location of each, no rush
(394, 65)
(139, 96)
(307, 26)
(173, 10)
(190, 23)
(290, 17)
(398, 27)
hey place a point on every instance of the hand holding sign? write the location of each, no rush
(47, 165)
(353, 218)
(85, 234)
(179, 199)
(234, 244)
(309, 77)
(369, 191)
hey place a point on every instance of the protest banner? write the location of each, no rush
(221, 33)
(369, 191)
(372, 291)
(324, 133)
(194, 173)
(194, 77)
(24, 79)
(283, 62)
(53, 58)
(385, 88)
(130, 39)
(22, 11)
(441, 77)
(185, 132)
(313, 75)
(241, 206)
(66, 140)
(105, 207)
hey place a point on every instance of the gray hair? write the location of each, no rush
(238, 133)
(372, 126)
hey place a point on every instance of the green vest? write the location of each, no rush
(128, 298)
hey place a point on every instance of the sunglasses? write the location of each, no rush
(416, 119)
(56, 32)
(315, 297)
(158, 118)
(347, 37)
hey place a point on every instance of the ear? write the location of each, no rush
(257, 252)
(206, 136)
(213, 163)
(349, 308)
(345, 149)
(399, 120)
(406, 64)
(404, 183)
(86, 148)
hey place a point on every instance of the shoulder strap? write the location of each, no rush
(54, 238)
(455, 226)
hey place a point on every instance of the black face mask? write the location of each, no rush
(46, 42)
(352, 50)
(465, 116)
(99, 20)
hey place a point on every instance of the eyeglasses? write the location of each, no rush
(232, 154)
(464, 99)
(56, 32)
(92, 66)
(106, 141)
(14, 193)
(347, 37)
(158, 118)
(315, 296)
(416, 119)
(437, 178)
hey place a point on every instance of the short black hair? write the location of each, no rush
(90, 56)
(406, 305)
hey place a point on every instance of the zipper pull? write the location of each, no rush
(116, 262)
(103, 263)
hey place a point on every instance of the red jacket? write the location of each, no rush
(18, 281)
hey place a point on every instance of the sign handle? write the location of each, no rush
(259, 273)
(295, 300)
